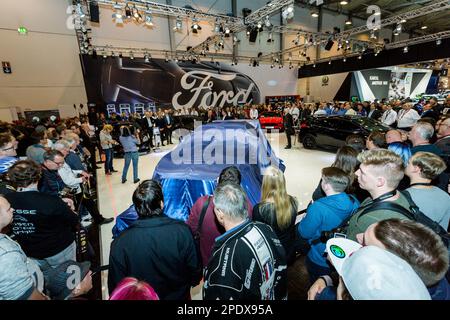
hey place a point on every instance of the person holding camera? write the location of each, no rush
(130, 141)
(57, 177)
(324, 215)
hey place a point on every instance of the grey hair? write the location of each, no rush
(231, 200)
(425, 130)
(61, 144)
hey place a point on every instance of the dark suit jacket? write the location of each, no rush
(144, 123)
(168, 122)
(376, 115)
(288, 123)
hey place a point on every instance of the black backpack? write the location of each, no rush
(413, 213)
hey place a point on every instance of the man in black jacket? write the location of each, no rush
(168, 121)
(374, 112)
(156, 248)
(288, 122)
(147, 124)
(248, 260)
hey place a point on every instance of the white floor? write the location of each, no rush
(302, 176)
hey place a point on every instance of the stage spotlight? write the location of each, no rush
(314, 14)
(288, 12)
(270, 40)
(118, 16)
(147, 57)
(348, 22)
(360, 57)
(128, 11)
(329, 62)
(343, 3)
(136, 15)
(217, 26)
(166, 56)
(398, 29)
(195, 26)
(149, 20)
(267, 22)
(105, 55)
(438, 42)
(344, 60)
(424, 27)
(405, 49)
(178, 24)
(373, 35)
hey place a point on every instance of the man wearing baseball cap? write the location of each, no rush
(371, 273)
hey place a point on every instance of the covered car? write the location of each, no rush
(191, 170)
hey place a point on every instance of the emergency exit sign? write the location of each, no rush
(6, 67)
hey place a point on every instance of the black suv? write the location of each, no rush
(331, 131)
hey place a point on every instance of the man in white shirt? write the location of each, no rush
(407, 117)
(389, 116)
(295, 111)
(350, 111)
(253, 113)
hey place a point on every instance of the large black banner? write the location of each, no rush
(116, 80)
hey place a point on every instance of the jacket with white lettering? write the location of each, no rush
(248, 263)
(43, 224)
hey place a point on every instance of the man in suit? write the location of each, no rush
(428, 112)
(147, 124)
(288, 127)
(168, 121)
(374, 113)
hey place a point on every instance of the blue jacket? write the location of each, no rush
(325, 214)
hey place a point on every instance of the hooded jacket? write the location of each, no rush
(325, 214)
(160, 251)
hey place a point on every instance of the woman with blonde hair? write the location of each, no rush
(278, 210)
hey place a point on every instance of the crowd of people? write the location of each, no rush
(388, 195)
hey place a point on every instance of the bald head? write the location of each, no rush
(393, 136)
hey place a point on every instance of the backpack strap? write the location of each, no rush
(390, 206)
(202, 215)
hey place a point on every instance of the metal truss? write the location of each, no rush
(257, 16)
(322, 38)
(168, 10)
(419, 40)
(267, 10)
(431, 8)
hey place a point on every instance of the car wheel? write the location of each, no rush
(309, 142)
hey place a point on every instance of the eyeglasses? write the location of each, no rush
(10, 148)
(58, 163)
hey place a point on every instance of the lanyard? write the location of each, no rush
(421, 184)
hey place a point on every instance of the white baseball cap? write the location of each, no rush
(339, 249)
(372, 273)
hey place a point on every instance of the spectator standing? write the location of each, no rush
(107, 144)
(130, 144)
(248, 260)
(278, 209)
(155, 249)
